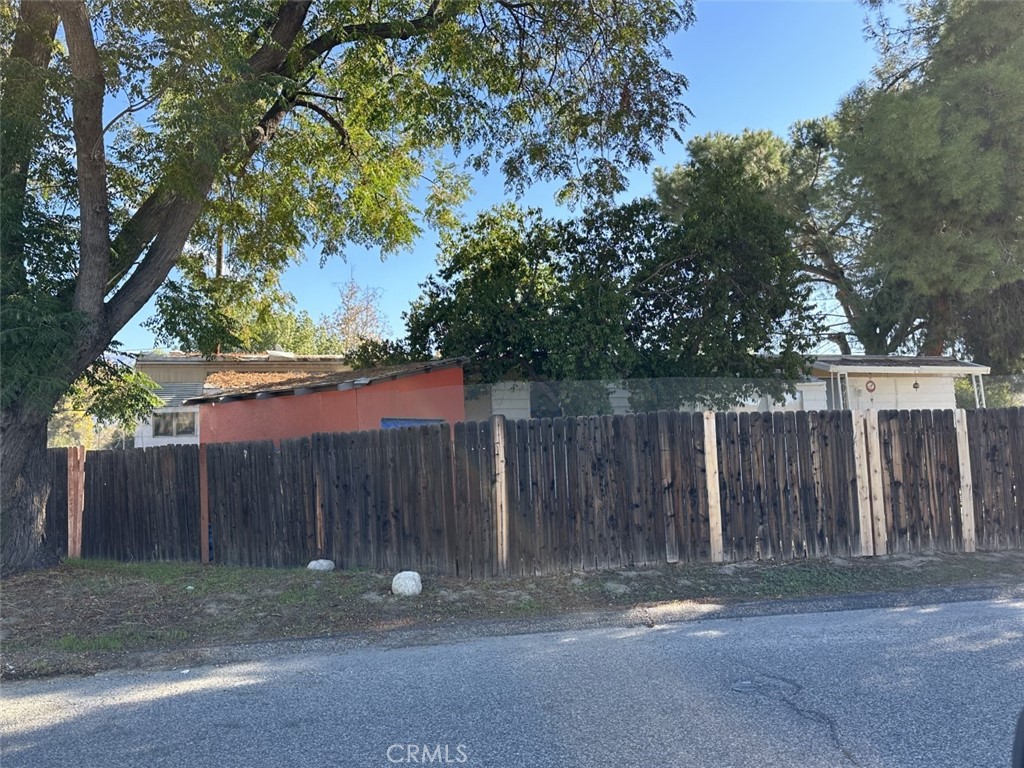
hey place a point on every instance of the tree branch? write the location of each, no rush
(378, 30)
(145, 223)
(331, 120)
(167, 221)
(272, 54)
(87, 116)
(162, 218)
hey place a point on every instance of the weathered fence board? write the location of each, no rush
(920, 481)
(996, 439)
(58, 503)
(787, 484)
(387, 498)
(142, 504)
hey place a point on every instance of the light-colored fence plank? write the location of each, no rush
(500, 504)
(714, 495)
(863, 481)
(966, 481)
(874, 456)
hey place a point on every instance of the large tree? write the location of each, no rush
(803, 178)
(934, 148)
(270, 125)
(724, 294)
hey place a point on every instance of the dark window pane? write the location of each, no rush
(163, 424)
(185, 423)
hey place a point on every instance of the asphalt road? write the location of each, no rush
(927, 686)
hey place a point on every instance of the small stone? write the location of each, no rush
(406, 584)
(321, 565)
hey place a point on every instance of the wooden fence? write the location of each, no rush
(142, 504)
(996, 448)
(521, 497)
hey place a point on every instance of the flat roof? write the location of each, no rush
(192, 358)
(341, 380)
(897, 365)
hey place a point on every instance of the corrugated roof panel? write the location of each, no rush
(174, 394)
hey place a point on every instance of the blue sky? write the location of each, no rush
(754, 64)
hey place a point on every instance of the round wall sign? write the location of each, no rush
(870, 386)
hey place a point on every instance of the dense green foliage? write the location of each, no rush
(624, 293)
(802, 177)
(224, 319)
(935, 152)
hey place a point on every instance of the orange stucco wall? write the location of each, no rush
(432, 395)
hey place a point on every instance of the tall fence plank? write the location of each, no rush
(788, 484)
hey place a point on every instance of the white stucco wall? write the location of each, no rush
(897, 392)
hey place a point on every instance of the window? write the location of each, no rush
(173, 424)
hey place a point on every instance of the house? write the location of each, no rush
(181, 375)
(251, 408)
(879, 382)
(855, 382)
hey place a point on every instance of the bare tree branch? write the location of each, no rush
(331, 120)
(87, 116)
(379, 30)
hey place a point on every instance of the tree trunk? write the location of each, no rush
(939, 324)
(24, 487)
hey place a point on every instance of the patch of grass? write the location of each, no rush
(104, 642)
(120, 639)
(300, 594)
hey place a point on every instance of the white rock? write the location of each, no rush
(321, 565)
(407, 584)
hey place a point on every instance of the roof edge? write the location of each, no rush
(353, 381)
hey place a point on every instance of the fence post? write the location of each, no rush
(76, 499)
(963, 452)
(500, 493)
(863, 478)
(714, 493)
(204, 507)
(874, 451)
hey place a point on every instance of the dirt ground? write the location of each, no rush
(87, 616)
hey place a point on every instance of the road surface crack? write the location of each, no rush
(786, 690)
